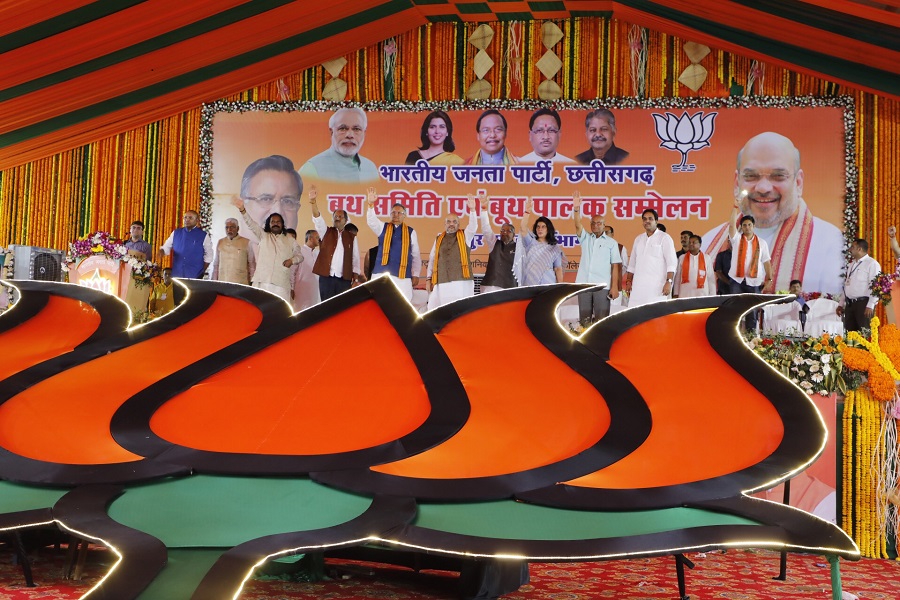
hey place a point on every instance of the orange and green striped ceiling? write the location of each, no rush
(74, 71)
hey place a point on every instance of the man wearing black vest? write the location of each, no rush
(338, 263)
(501, 253)
(449, 273)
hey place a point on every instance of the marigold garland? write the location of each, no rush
(864, 457)
(878, 357)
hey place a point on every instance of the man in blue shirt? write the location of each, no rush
(600, 264)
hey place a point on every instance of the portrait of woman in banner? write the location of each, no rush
(437, 141)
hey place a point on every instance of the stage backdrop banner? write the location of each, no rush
(679, 161)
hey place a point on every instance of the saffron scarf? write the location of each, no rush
(701, 269)
(790, 250)
(463, 255)
(742, 258)
(404, 247)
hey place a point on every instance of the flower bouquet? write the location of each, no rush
(101, 242)
(815, 364)
(881, 286)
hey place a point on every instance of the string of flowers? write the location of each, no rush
(876, 460)
(810, 295)
(102, 243)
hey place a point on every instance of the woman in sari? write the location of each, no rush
(542, 259)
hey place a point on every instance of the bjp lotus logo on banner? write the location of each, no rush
(684, 134)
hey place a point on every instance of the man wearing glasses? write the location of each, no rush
(768, 185)
(490, 132)
(271, 186)
(342, 162)
(543, 133)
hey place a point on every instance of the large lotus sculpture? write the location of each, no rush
(232, 431)
(685, 133)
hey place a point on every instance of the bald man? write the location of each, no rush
(768, 185)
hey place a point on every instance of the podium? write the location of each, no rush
(112, 276)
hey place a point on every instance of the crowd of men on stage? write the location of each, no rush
(328, 261)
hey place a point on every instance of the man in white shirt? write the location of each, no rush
(337, 264)
(694, 274)
(751, 265)
(857, 304)
(651, 267)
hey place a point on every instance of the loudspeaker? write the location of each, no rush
(37, 264)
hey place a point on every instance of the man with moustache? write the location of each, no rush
(544, 134)
(490, 130)
(276, 252)
(234, 260)
(600, 130)
(501, 253)
(858, 301)
(768, 185)
(651, 268)
(449, 272)
(694, 275)
(342, 162)
(271, 185)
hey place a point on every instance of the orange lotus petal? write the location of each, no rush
(60, 326)
(529, 408)
(65, 418)
(343, 384)
(708, 420)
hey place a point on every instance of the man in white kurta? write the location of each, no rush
(450, 278)
(275, 254)
(306, 283)
(651, 267)
(694, 275)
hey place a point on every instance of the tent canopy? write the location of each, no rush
(74, 71)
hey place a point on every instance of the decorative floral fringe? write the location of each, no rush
(887, 471)
(389, 65)
(637, 43)
(865, 455)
